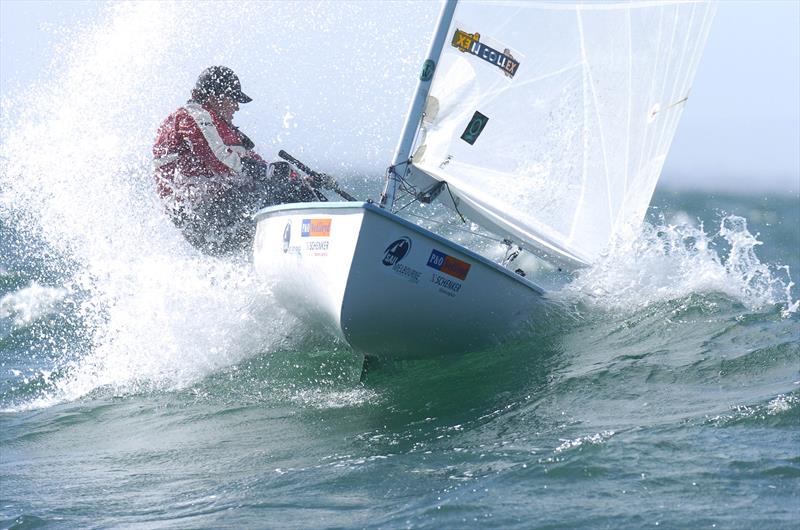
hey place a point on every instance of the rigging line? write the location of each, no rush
(408, 188)
(455, 204)
(403, 163)
(399, 199)
(393, 179)
(412, 201)
(456, 227)
(409, 191)
(392, 169)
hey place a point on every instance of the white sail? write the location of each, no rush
(550, 122)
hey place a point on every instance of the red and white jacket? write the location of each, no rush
(197, 156)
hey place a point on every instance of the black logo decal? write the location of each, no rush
(475, 128)
(287, 236)
(396, 251)
(427, 70)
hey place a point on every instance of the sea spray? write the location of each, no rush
(30, 303)
(671, 261)
(76, 183)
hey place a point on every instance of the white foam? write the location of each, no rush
(76, 174)
(592, 439)
(30, 303)
(671, 261)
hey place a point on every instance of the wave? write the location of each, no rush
(782, 410)
(666, 262)
(26, 305)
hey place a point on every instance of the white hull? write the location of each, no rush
(387, 287)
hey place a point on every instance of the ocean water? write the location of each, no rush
(175, 395)
(144, 385)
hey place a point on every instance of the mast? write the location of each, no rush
(414, 114)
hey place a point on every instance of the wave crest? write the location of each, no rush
(668, 262)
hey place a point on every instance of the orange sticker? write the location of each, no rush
(315, 228)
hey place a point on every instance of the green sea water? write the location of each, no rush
(668, 400)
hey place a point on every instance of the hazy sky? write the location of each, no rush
(741, 126)
(740, 129)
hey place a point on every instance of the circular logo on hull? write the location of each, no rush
(396, 251)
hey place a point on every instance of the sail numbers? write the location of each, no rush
(470, 43)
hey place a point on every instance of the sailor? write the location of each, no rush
(206, 170)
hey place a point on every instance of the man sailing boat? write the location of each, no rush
(209, 176)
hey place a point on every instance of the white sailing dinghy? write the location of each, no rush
(546, 123)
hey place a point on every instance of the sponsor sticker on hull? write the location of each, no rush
(317, 248)
(394, 254)
(445, 284)
(288, 248)
(315, 228)
(451, 266)
(448, 264)
(396, 251)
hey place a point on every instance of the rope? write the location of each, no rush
(455, 205)
(457, 228)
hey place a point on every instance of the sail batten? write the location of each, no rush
(552, 122)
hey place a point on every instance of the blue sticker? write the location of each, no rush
(427, 70)
(448, 265)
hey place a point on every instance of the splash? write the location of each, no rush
(669, 262)
(30, 303)
(76, 183)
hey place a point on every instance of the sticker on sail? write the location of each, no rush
(394, 254)
(448, 264)
(315, 228)
(471, 43)
(474, 128)
(427, 70)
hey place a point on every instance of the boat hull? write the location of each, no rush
(387, 287)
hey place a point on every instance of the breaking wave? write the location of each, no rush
(668, 262)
